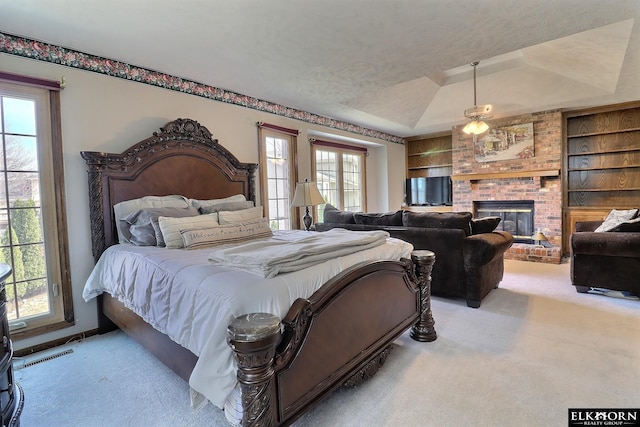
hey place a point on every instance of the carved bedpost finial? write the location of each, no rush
(424, 329)
(254, 337)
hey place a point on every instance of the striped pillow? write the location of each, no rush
(171, 227)
(224, 234)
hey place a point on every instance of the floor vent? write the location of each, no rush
(43, 359)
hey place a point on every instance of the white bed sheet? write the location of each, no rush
(193, 301)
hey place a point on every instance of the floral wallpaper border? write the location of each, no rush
(41, 51)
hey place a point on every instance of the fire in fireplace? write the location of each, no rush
(516, 216)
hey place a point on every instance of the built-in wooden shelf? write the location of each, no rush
(619, 150)
(430, 167)
(598, 168)
(429, 153)
(584, 190)
(503, 175)
(608, 132)
(601, 163)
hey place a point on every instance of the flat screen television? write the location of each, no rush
(428, 191)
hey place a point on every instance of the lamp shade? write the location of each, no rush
(307, 194)
(475, 127)
(539, 236)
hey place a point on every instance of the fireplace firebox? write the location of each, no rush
(516, 216)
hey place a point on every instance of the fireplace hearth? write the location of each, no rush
(516, 216)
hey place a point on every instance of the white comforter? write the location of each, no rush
(180, 293)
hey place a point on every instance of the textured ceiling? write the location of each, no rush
(401, 67)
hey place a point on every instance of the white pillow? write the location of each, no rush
(123, 209)
(171, 227)
(230, 233)
(207, 203)
(615, 218)
(235, 217)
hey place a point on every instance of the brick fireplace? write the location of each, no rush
(534, 179)
(516, 216)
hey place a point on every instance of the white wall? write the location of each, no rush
(101, 113)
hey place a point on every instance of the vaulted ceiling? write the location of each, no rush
(398, 66)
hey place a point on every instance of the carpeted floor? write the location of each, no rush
(532, 350)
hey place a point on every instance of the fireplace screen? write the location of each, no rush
(516, 216)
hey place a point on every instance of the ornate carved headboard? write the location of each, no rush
(182, 158)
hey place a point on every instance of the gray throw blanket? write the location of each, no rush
(288, 251)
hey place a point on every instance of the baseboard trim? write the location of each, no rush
(55, 343)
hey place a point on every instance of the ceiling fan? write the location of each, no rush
(477, 113)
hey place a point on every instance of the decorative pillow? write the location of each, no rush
(335, 215)
(484, 225)
(171, 227)
(228, 206)
(235, 217)
(122, 209)
(616, 217)
(222, 234)
(633, 225)
(137, 227)
(388, 218)
(205, 203)
(459, 220)
(156, 229)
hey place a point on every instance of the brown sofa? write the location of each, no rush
(469, 253)
(609, 259)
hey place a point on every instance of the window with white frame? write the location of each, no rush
(340, 175)
(278, 175)
(32, 215)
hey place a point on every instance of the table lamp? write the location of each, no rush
(306, 195)
(539, 237)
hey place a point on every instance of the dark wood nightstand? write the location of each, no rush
(11, 396)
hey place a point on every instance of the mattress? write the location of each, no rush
(183, 295)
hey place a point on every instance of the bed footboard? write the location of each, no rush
(341, 335)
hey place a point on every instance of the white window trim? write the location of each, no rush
(340, 149)
(265, 132)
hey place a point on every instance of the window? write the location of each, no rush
(32, 217)
(340, 175)
(278, 175)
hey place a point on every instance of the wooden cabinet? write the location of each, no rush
(11, 397)
(429, 155)
(428, 208)
(601, 162)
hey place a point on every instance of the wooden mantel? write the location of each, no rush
(503, 175)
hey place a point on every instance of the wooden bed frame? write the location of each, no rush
(341, 335)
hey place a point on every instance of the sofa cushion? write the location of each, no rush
(484, 225)
(388, 218)
(335, 215)
(615, 217)
(456, 220)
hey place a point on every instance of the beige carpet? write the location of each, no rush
(532, 350)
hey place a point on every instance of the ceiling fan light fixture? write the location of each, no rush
(475, 127)
(477, 113)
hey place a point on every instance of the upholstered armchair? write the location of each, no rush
(606, 259)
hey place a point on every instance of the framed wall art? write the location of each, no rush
(505, 143)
